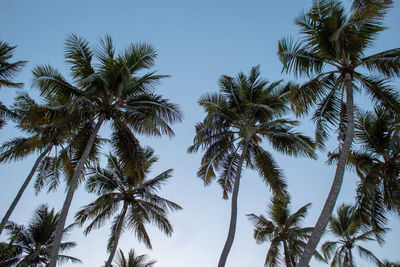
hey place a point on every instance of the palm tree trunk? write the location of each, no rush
(232, 225)
(71, 190)
(117, 235)
(350, 258)
(337, 180)
(286, 252)
(23, 187)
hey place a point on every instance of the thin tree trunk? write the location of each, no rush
(350, 258)
(232, 225)
(286, 252)
(337, 180)
(117, 235)
(23, 187)
(71, 190)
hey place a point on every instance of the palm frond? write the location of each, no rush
(79, 56)
(298, 58)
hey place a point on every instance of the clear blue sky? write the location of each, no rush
(197, 42)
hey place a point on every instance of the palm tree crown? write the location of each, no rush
(132, 260)
(350, 231)
(332, 54)
(136, 193)
(283, 229)
(247, 110)
(35, 240)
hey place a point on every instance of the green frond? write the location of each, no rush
(48, 174)
(287, 141)
(298, 57)
(8, 70)
(50, 82)
(264, 228)
(127, 148)
(19, 148)
(273, 255)
(309, 94)
(139, 56)
(144, 84)
(229, 172)
(326, 115)
(79, 55)
(151, 115)
(269, 171)
(367, 254)
(99, 211)
(296, 218)
(136, 220)
(381, 93)
(386, 63)
(105, 50)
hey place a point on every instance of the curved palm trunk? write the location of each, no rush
(286, 252)
(70, 194)
(337, 180)
(232, 225)
(23, 187)
(117, 235)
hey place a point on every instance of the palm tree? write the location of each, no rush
(35, 240)
(246, 110)
(350, 231)
(133, 260)
(113, 88)
(377, 164)
(135, 192)
(332, 54)
(283, 229)
(8, 70)
(43, 138)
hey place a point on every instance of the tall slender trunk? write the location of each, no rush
(286, 252)
(117, 235)
(23, 187)
(71, 190)
(337, 180)
(232, 225)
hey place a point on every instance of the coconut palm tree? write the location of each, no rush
(284, 229)
(350, 232)
(8, 70)
(135, 192)
(377, 163)
(247, 110)
(132, 260)
(36, 239)
(331, 53)
(44, 138)
(108, 87)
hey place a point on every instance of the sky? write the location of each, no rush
(197, 42)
